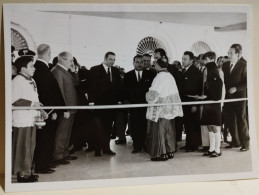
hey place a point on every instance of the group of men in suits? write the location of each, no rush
(106, 86)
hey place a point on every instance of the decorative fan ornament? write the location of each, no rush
(18, 41)
(148, 45)
(200, 47)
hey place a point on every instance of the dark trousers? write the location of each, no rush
(138, 127)
(237, 122)
(120, 123)
(45, 138)
(179, 128)
(192, 127)
(80, 129)
(106, 117)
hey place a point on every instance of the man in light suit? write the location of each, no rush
(68, 80)
(235, 75)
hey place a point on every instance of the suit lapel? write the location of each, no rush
(235, 68)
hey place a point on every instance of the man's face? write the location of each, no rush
(49, 55)
(29, 70)
(157, 56)
(139, 64)
(147, 61)
(68, 61)
(110, 60)
(232, 55)
(186, 61)
(195, 62)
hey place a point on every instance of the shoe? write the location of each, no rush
(120, 141)
(47, 171)
(164, 157)
(244, 149)
(191, 150)
(98, 153)
(208, 153)
(156, 159)
(170, 155)
(135, 151)
(62, 162)
(109, 152)
(215, 154)
(26, 179)
(35, 176)
(204, 149)
(183, 148)
(74, 150)
(232, 146)
(70, 158)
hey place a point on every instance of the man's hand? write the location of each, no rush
(54, 116)
(91, 104)
(66, 115)
(232, 90)
(194, 109)
(44, 114)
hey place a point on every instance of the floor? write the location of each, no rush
(126, 165)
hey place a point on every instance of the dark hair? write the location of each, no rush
(178, 63)
(200, 56)
(219, 58)
(147, 55)
(161, 51)
(22, 61)
(237, 47)
(226, 57)
(161, 63)
(109, 53)
(75, 61)
(137, 56)
(214, 81)
(211, 55)
(190, 54)
(55, 61)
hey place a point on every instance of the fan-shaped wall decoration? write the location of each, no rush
(200, 47)
(148, 45)
(18, 41)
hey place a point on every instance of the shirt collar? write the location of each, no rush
(44, 62)
(140, 72)
(106, 67)
(186, 68)
(62, 67)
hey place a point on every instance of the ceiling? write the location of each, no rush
(215, 19)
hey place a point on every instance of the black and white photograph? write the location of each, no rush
(104, 95)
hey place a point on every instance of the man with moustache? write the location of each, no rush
(137, 83)
(147, 64)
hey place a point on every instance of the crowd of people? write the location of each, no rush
(39, 148)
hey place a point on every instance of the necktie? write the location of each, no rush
(184, 70)
(139, 79)
(109, 74)
(231, 68)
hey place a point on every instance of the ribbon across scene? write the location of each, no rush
(92, 107)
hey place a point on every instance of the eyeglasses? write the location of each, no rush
(72, 60)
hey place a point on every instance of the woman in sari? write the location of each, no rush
(161, 136)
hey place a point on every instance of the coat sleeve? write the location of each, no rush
(60, 81)
(242, 85)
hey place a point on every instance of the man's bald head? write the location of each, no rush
(44, 52)
(65, 58)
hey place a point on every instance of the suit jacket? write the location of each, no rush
(135, 91)
(177, 76)
(237, 78)
(191, 84)
(68, 83)
(102, 91)
(48, 88)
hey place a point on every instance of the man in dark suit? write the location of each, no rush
(192, 85)
(49, 95)
(235, 75)
(68, 80)
(105, 85)
(137, 83)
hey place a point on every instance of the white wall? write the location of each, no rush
(89, 38)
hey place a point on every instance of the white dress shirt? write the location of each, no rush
(106, 69)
